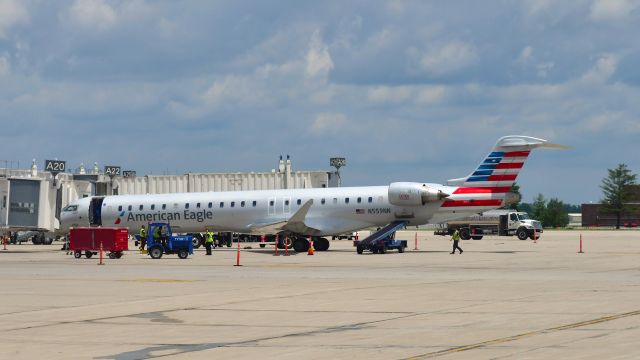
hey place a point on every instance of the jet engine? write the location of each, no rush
(413, 194)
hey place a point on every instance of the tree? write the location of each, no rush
(616, 193)
(538, 208)
(555, 214)
(515, 188)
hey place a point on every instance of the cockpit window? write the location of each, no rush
(70, 208)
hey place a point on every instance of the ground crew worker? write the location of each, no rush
(208, 243)
(143, 238)
(456, 239)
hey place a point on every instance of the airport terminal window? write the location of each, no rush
(153, 207)
(299, 201)
(359, 200)
(335, 201)
(130, 207)
(233, 203)
(286, 202)
(242, 204)
(210, 205)
(120, 208)
(346, 200)
(198, 205)
(255, 203)
(322, 201)
(141, 207)
(222, 204)
(164, 206)
(370, 199)
(186, 206)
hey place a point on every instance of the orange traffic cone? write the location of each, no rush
(310, 252)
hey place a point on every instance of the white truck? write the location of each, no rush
(493, 222)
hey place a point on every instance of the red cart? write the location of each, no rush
(88, 240)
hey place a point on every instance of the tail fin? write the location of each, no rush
(500, 168)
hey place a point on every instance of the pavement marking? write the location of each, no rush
(524, 335)
(152, 280)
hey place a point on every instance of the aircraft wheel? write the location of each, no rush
(465, 234)
(477, 237)
(321, 244)
(301, 245)
(197, 241)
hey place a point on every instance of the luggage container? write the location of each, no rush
(87, 241)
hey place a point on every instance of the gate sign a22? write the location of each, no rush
(112, 170)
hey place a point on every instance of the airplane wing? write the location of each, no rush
(296, 223)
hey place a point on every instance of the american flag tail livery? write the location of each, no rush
(490, 183)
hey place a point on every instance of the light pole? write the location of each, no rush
(338, 162)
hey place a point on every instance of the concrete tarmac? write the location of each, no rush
(501, 299)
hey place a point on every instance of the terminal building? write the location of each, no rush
(595, 215)
(31, 200)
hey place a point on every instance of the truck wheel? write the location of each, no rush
(374, 250)
(301, 245)
(383, 249)
(477, 237)
(321, 244)
(263, 245)
(88, 254)
(465, 234)
(112, 255)
(183, 253)
(118, 254)
(197, 241)
(401, 249)
(522, 233)
(155, 252)
(77, 254)
(359, 249)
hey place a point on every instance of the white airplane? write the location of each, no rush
(317, 212)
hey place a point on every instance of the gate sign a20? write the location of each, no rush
(112, 170)
(55, 166)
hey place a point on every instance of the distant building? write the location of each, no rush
(595, 214)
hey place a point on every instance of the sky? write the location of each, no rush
(405, 90)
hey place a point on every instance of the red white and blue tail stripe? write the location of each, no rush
(489, 185)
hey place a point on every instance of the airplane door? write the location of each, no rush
(286, 205)
(272, 206)
(95, 211)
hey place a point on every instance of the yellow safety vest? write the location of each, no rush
(209, 237)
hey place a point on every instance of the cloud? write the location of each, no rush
(431, 95)
(12, 13)
(611, 10)
(449, 58)
(318, 58)
(95, 14)
(389, 94)
(328, 123)
(5, 65)
(605, 67)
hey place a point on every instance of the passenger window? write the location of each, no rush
(271, 203)
(164, 206)
(254, 203)
(233, 203)
(153, 207)
(120, 208)
(141, 207)
(222, 204)
(286, 202)
(186, 206)
(335, 201)
(130, 207)
(210, 205)
(322, 201)
(370, 199)
(346, 200)
(299, 201)
(242, 204)
(359, 200)
(198, 205)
